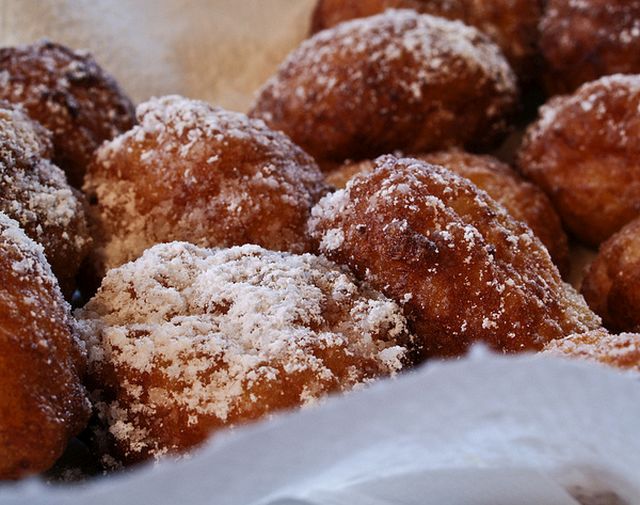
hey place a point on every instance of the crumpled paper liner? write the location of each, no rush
(532, 428)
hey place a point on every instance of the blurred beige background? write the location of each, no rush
(216, 50)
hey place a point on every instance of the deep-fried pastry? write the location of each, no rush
(398, 80)
(612, 284)
(512, 24)
(464, 270)
(586, 39)
(35, 192)
(583, 152)
(42, 400)
(186, 340)
(193, 172)
(70, 95)
(621, 351)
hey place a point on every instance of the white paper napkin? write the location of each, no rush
(452, 428)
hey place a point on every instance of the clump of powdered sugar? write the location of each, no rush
(29, 254)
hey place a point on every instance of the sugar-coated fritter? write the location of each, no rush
(586, 39)
(398, 80)
(621, 351)
(193, 172)
(70, 95)
(524, 201)
(612, 284)
(512, 24)
(583, 152)
(42, 400)
(464, 270)
(185, 341)
(35, 192)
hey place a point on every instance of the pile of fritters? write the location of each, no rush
(359, 221)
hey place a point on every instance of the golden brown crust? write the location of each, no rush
(612, 284)
(586, 39)
(524, 201)
(70, 95)
(35, 193)
(42, 401)
(582, 151)
(398, 80)
(193, 172)
(465, 270)
(621, 351)
(512, 24)
(185, 341)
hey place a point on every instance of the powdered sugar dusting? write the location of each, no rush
(582, 40)
(215, 326)
(372, 85)
(40, 194)
(628, 26)
(203, 174)
(332, 239)
(32, 261)
(35, 192)
(583, 153)
(436, 42)
(70, 95)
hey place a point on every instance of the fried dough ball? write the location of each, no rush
(70, 95)
(398, 80)
(524, 201)
(186, 341)
(464, 269)
(582, 151)
(512, 24)
(35, 192)
(586, 39)
(42, 401)
(193, 172)
(621, 351)
(612, 284)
